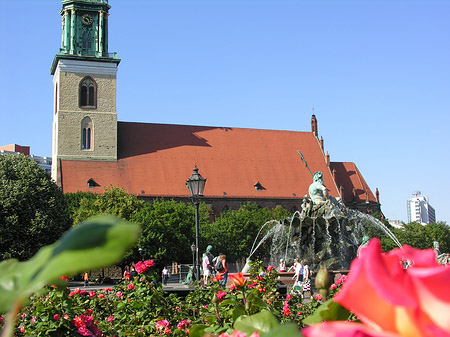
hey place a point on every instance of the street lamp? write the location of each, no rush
(195, 184)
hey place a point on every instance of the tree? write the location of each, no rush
(113, 201)
(74, 200)
(33, 211)
(419, 236)
(168, 230)
(233, 233)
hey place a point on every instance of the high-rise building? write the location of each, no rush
(419, 209)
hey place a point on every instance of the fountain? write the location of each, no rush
(325, 231)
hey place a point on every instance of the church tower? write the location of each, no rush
(84, 81)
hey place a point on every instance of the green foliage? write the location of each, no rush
(32, 208)
(168, 230)
(422, 237)
(233, 233)
(74, 200)
(97, 243)
(113, 201)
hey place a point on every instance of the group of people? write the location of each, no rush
(214, 266)
(302, 274)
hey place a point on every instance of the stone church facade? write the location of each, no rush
(91, 150)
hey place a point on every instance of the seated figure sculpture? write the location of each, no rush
(317, 191)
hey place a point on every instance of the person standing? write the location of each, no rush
(86, 279)
(222, 269)
(165, 275)
(206, 265)
(282, 266)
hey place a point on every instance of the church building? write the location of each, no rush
(91, 150)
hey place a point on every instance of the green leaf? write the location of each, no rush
(237, 312)
(197, 330)
(285, 330)
(262, 322)
(99, 242)
(329, 311)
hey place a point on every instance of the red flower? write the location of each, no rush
(76, 291)
(333, 286)
(238, 279)
(56, 317)
(22, 329)
(110, 318)
(269, 268)
(149, 263)
(100, 296)
(221, 295)
(141, 267)
(92, 293)
(89, 312)
(130, 286)
(217, 278)
(319, 297)
(127, 274)
(64, 278)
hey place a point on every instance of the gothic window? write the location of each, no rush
(86, 133)
(88, 93)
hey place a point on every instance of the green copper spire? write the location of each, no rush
(84, 31)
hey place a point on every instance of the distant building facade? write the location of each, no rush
(420, 210)
(44, 162)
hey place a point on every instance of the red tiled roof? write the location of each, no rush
(158, 158)
(349, 177)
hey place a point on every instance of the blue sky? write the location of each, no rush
(376, 72)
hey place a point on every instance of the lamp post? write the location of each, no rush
(196, 184)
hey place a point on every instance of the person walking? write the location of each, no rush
(306, 285)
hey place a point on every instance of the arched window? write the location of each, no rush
(88, 93)
(86, 133)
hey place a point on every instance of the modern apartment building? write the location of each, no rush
(419, 209)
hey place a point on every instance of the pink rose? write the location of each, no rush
(162, 324)
(220, 295)
(56, 317)
(396, 301)
(76, 291)
(333, 286)
(141, 267)
(149, 263)
(92, 293)
(110, 318)
(119, 294)
(130, 286)
(22, 329)
(319, 297)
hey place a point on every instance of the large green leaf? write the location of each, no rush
(97, 243)
(328, 311)
(262, 322)
(197, 330)
(285, 330)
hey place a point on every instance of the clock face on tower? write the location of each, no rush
(86, 19)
